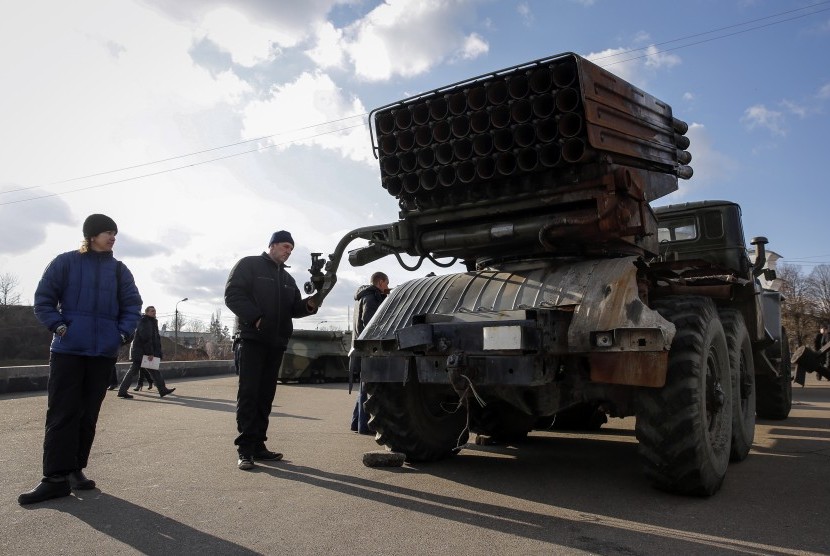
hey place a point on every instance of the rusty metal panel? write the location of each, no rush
(632, 368)
(602, 294)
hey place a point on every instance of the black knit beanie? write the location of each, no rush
(97, 223)
(281, 237)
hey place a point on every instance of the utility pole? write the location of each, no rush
(176, 329)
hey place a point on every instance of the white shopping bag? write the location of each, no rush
(147, 364)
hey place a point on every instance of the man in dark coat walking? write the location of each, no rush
(265, 298)
(147, 342)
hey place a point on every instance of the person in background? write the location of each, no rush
(90, 302)
(367, 300)
(113, 379)
(822, 338)
(265, 298)
(147, 343)
(142, 375)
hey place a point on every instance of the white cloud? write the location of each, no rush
(474, 46)
(824, 91)
(525, 13)
(408, 37)
(688, 97)
(711, 167)
(312, 98)
(759, 116)
(657, 59)
(327, 52)
(794, 108)
(248, 42)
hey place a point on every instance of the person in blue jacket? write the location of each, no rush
(90, 302)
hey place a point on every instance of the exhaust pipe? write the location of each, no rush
(567, 100)
(466, 171)
(438, 108)
(524, 135)
(546, 130)
(550, 155)
(517, 86)
(564, 75)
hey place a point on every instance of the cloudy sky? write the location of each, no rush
(202, 126)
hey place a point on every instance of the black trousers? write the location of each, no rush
(76, 389)
(259, 366)
(135, 368)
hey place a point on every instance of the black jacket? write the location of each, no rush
(257, 288)
(147, 340)
(368, 300)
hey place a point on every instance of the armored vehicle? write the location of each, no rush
(316, 356)
(579, 301)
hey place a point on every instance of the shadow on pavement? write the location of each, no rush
(142, 529)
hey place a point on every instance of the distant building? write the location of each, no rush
(188, 339)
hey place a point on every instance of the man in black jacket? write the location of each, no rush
(147, 342)
(367, 300)
(264, 298)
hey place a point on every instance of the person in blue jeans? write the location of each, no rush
(90, 302)
(367, 300)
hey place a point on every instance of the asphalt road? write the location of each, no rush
(168, 484)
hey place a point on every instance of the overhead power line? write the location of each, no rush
(166, 170)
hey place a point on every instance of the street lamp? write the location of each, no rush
(176, 329)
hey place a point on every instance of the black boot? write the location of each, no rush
(149, 384)
(166, 391)
(79, 481)
(48, 488)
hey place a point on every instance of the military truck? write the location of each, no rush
(579, 301)
(316, 356)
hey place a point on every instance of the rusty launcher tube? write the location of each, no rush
(539, 117)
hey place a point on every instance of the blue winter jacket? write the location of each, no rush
(97, 301)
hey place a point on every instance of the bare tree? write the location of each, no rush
(818, 289)
(797, 310)
(8, 289)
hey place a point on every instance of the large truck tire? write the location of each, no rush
(685, 427)
(422, 421)
(775, 394)
(741, 362)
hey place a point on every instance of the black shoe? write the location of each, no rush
(112, 386)
(149, 386)
(48, 488)
(267, 455)
(79, 481)
(168, 391)
(125, 395)
(245, 462)
(137, 389)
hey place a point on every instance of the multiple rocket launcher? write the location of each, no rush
(539, 121)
